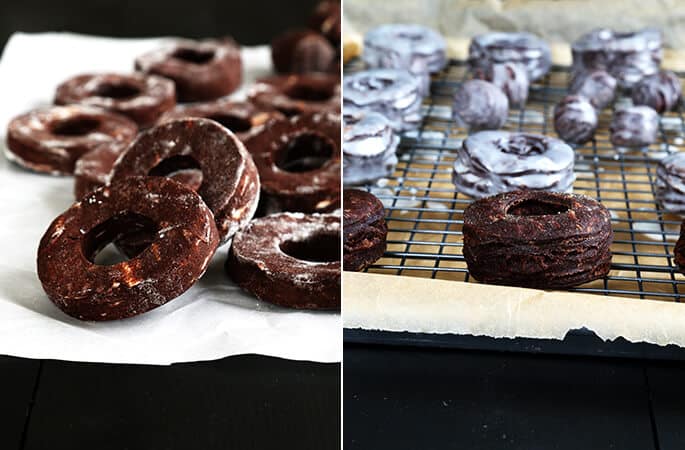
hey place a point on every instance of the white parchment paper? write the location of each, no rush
(212, 320)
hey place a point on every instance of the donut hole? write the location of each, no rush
(193, 55)
(181, 168)
(320, 247)
(117, 90)
(234, 123)
(304, 152)
(99, 244)
(536, 208)
(524, 145)
(76, 126)
(310, 92)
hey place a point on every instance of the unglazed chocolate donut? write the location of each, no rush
(523, 48)
(660, 91)
(185, 238)
(242, 118)
(634, 127)
(326, 19)
(679, 250)
(298, 94)
(535, 239)
(393, 93)
(596, 85)
(142, 98)
(628, 57)
(492, 162)
(50, 140)
(230, 184)
(670, 183)
(364, 229)
(575, 119)
(299, 163)
(202, 70)
(290, 259)
(369, 147)
(93, 169)
(480, 105)
(303, 51)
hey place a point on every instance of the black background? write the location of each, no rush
(244, 402)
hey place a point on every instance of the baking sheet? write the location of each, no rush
(213, 319)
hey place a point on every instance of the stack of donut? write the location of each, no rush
(168, 183)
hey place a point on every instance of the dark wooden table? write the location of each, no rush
(243, 402)
(420, 398)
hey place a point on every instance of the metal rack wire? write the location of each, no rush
(425, 214)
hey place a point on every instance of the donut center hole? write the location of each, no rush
(314, 92)
(77, 126)
(523, 145)
(409, 35)
(181, 168)
(305, 152)
(193, 55)
(117, 90)
(536, 208)
(364, 84)
(321, 247)
(233, 123)
(99, 244)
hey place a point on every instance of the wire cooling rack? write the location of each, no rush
(424, 213)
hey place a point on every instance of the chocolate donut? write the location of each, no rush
(660, 91)
(364, 229)
(575, 119)
(142, 98)
(596, 85)
(299, 163)
(201, 70)
(230, 184)
(512, 79)
(293, 95)
(492, 162)
(634, 127)
(415, 48)
(679, 250)
(289, 259)
(534, 239)
(369, 147)
(393, 93)
(50, 140)
(670, 183)
(480, 105)
(303, 51)
(523, 48)
(326, 19)
(185, 238)
(242, 118)
(93, 169)
(628, 57)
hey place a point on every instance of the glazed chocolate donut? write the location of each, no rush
(401, 46)
(293, 95)
(660, 91)
(512, 79)
(93, 169)
(534, 239)
(634, 127)
(492, 162)
(679, 250)
(670, 183)
(142, 98)
(596, 85)
(201, 70)
(303, 51)
(242, 118)
(299, 163)
(50, 140)
(575, 119)
(480, 105)
(393, 93)
(230, 184)
(290, 259)
(326, 20)
(185, 238)
(364, 229)
(628, 57)
(524, 48)
(369, 147)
